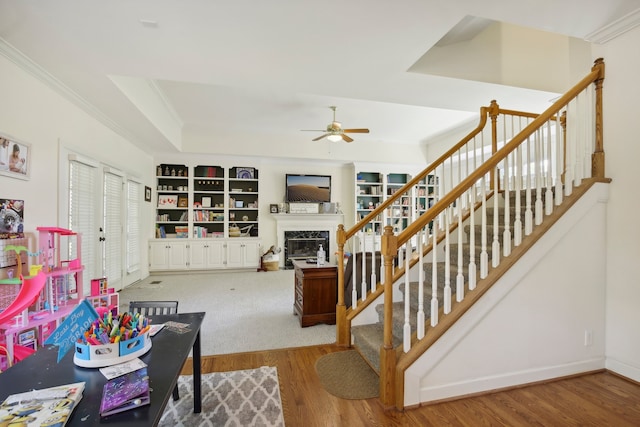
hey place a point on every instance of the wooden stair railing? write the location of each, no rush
(544, 155)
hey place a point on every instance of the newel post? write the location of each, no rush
(387, 352)
(343, 332)
(597, 159)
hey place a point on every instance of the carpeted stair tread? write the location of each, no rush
(369, 339)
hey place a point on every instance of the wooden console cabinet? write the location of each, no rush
(315, 293)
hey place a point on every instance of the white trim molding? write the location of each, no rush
(615, 29)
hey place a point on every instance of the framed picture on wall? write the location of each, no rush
(147, 194)
(15, 157)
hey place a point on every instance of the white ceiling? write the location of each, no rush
(205, 74)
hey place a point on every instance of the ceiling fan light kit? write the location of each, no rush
(334, 131)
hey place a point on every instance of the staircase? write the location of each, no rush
(368, 339)
(549, 160)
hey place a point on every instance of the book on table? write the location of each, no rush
(125, 392)
(45, 407)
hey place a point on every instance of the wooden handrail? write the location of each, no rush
(380, 209)
(489, 164)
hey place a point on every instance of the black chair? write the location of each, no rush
(150, 308)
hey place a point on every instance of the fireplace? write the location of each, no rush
(308, 226)
(303, 244)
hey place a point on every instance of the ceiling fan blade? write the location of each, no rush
(320, 137)
(346, 138)
(356, 130)
(313, 130)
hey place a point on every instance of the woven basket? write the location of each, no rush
(234, 231)
(271, 265)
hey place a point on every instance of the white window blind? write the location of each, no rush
(82, 218)
(133, 226)
(112, 227)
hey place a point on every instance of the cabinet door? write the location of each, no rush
(177, 256)
(251, 254)
(235, 254)
(197, 255)
(158, 255)
(215, 254)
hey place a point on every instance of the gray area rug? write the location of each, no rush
(232, 399)
(246, 310)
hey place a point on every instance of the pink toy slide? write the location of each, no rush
(29, 291)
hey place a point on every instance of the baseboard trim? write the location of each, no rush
(623, 369)
(479, 386)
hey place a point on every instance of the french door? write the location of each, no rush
(104, 206)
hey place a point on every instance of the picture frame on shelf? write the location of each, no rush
(15, 157)
(245, 173)
(183, 202)
(147, 194)
(206, 202)
(273, 209)
(167, 201)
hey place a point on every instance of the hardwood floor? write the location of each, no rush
(599, 399)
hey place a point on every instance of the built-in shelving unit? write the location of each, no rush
(401, 211)
(207, 217)
(243, 200)
(375, 185)
(369, 195)
(172, 212)
(208, 204)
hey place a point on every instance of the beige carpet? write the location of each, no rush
(246, 310)
(345, 374)
(237, 398)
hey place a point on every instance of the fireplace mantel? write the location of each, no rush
(311, 222)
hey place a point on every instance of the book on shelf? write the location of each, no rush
(45, 407)
(125, 392)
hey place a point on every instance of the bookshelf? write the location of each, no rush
(212, 223)
(172, 214)
(208, 205)
(376, 183)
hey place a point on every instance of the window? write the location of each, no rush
(82, 218)
(133, 226)
(112, 227)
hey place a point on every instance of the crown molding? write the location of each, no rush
(26, 64)
(616, 28)
(165, 102)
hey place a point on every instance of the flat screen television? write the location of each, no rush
(308, 188)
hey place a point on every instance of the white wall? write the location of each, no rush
(32, 112)
(622, 149)
(530, 326)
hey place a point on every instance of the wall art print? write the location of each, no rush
(15, 157)
(11, 218)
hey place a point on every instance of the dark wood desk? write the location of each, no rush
(165, 360)
(315, 293)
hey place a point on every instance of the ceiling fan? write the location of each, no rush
(334, 131)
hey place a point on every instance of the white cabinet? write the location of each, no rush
(243, 253)
(167, 254)
(205, 254)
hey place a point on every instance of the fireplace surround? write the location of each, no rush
(309, 223)
(304, 244)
